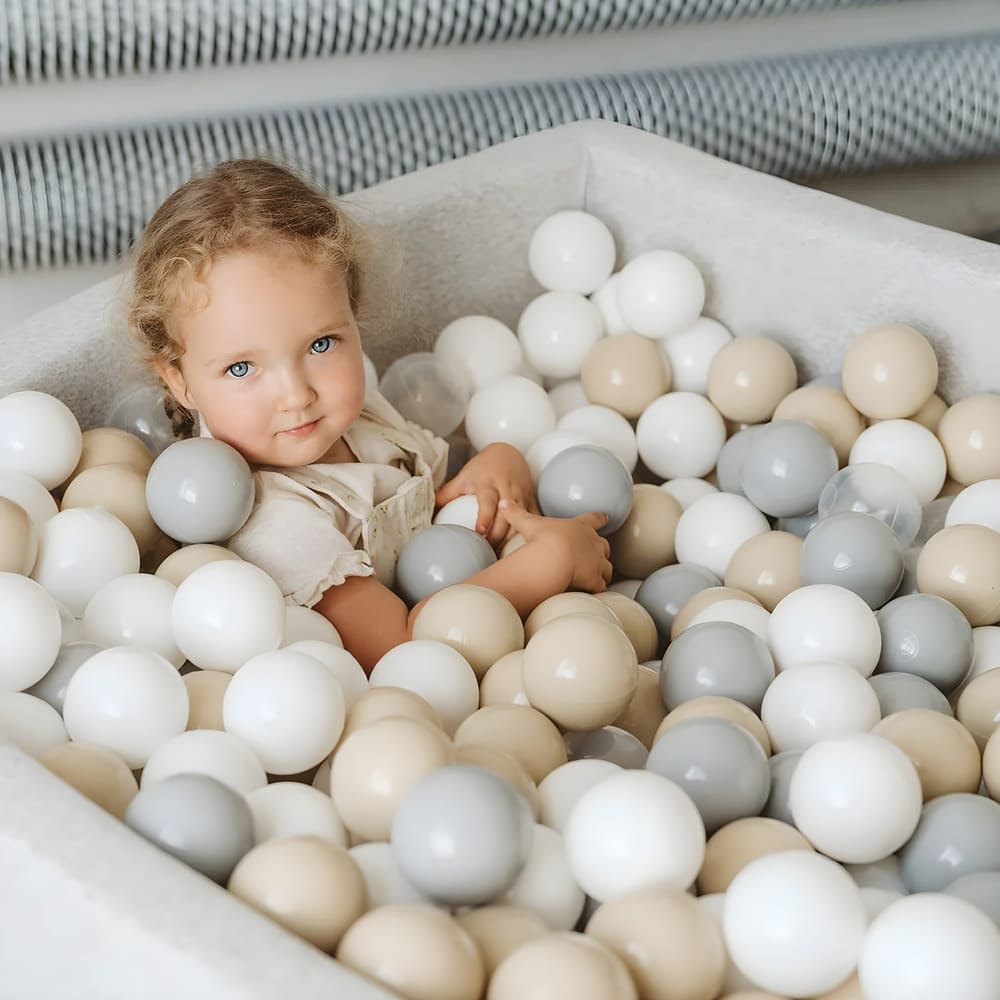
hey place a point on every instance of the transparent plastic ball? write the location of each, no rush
(139, 410)
(427, 390)
(879, 490)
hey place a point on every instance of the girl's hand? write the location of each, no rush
(499, 472)
(572, 540)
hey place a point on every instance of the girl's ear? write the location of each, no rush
(174, 379)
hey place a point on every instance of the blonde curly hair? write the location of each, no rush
(237, 205)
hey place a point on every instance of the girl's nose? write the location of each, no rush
(295, 392)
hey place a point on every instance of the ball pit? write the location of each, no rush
(876, 960)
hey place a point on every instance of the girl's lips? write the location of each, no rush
(303, 429)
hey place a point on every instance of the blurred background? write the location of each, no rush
(107, 105)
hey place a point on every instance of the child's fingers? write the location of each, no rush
(516, 516)
(448, 492)
(487, 499)
(596, 519)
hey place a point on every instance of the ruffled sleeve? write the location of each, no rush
(297, 542)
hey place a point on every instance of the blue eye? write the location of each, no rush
(322, 345)
(239, 369)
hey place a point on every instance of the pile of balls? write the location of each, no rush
(764, 764)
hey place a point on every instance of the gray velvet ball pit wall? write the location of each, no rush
(90, 911)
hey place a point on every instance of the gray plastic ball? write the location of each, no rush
(200, 490)
(610, 743)
(782, 768)
(197, 819)
(932, 519)
(462, 835)
(52, 687)
(926, 635)
(785, 468)
(800, 526)
(982, 890)
(721, 767)
(664, 592)
(958, 834)
(729, 465)
(716, 658)
(438, 557)
(583, 479)
(899, 692)
(857, 552)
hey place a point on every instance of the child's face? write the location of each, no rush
(273, 362)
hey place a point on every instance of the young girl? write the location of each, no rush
(246, 286)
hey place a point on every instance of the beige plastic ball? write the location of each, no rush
(942, 750)
(563, 966)
(748, 377)
(111, 446)
(377, 765)
(768, 567)
(713, 706)
(635, 621)
(625, 373)
(18, 539)
(310, 886)
(120, 490)
(730, 849)
(388, 702)
(672, 947)
(480, 623)
(580, 671)
(504, 764)
(178, 566)
(529, 737)
(889, 372)
(645, 541)
(416, 950)
(95, 772)
(570, 603)
(206, 690)
(969, 432)
(929, 415)
(962, 565)
(705, 599)
(829, 411)
(645, 712)
(504, 682)
(500, 930)
(991, 767)
(978, 706)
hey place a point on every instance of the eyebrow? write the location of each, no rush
(325, 330)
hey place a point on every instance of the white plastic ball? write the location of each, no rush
(548, 446)
(350, 675)
(735, 981)
(571, 251)
(31, 630)
(823, 622)
(985, 650)
(30, 494)
(566, 396)
(546, 885)
(606, 428)
(660, 293)
(616, 836)
(30, 723)
(303, 623)
(976, 504)
(463, 510)
(606, 300)
(79, 551)
(557, 331)
(218, 754)
(680, 435)
(794, 923)
(426, 389)
(690, 353)
(908, 447)
(711, 530)
(856, 798)
(134, 610)
(227, 612)
(751, 616)
(287, 707)
(128, 699)
(564, 786)
(877, 900)
(39, 436)
(291, 809)
(815, 702)
(436, 672)
(688, 489)
(512, 409)
(482, 348)
(929, 946)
